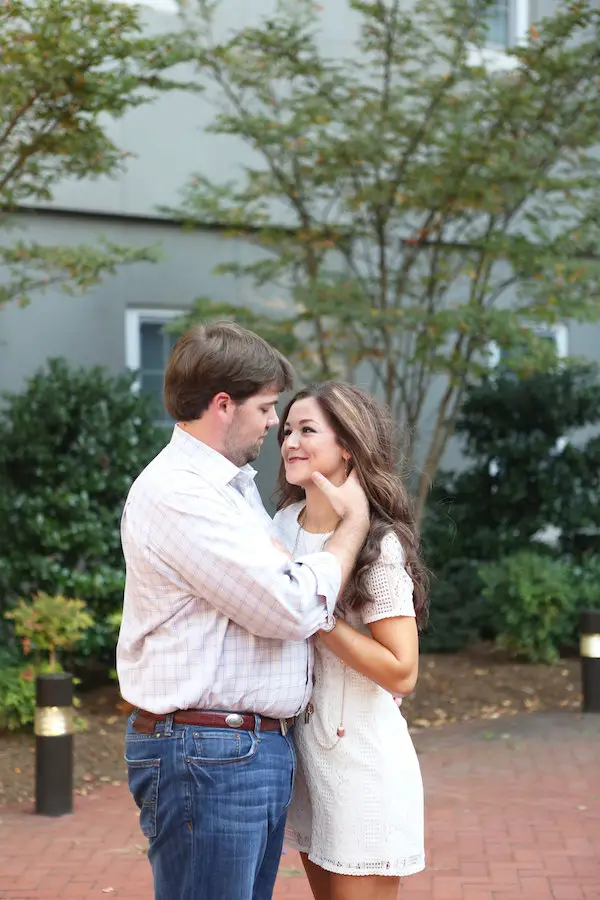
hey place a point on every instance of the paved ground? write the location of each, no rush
(513, 813)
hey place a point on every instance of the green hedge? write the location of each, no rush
(70, 446)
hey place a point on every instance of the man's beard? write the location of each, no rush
(241, 456)
(251, 453)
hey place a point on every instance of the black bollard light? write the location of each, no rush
(589, 651)
(54, 745)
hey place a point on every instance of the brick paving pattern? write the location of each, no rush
(513, 813)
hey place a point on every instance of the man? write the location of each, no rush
(213, 649)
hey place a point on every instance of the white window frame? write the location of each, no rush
(495, 59)
(134, 318)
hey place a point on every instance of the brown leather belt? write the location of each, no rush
(145, 722)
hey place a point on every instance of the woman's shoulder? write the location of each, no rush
(288, 512)
(286, 519)
(391, 549)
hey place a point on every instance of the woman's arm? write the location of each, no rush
(390, 657)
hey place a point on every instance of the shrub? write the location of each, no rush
(459, 615)
(49, 623)
(70, 446)
(534, 604)
(517, 479)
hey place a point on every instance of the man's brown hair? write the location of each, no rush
(222, 356)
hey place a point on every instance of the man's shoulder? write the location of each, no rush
(167, 474)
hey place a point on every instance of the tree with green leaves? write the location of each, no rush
(415, 205)
(66, 66)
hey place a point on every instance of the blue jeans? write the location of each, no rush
(213, 804)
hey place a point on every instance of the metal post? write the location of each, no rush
(54, 745)
(589, 651)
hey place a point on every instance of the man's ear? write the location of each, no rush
(221, 404)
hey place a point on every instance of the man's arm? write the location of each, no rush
(227, 559)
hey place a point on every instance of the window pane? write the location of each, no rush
(156, 345)
(497, 17)
(151, 385)
(151, 341)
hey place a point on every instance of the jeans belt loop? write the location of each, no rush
(168, 729)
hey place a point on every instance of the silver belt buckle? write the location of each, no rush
(234, 720)
(283, 726)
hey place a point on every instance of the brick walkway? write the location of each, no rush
(513, 813)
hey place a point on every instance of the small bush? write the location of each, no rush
(534, 601)
(51, 624)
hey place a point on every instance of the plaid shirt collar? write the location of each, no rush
(209, 463)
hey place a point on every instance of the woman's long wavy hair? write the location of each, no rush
(363, 427)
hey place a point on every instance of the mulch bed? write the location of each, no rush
(452, 689)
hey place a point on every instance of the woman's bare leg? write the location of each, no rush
(363, 887)
(318, 878)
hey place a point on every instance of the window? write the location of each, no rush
(508, 24)
(559, 334)
(498, 23)
(147, 349)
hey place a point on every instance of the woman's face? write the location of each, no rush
(310, 445)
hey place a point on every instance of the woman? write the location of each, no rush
(357, 808)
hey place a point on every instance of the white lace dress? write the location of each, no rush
(357, 807)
